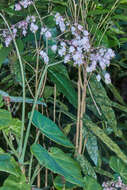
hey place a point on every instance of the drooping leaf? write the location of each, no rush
(119, 167)
(103, 172)
(64, 85)
(50, 129)
(91, 184)
(105, 139)
(58, 163)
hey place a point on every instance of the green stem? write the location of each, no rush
(10, 145)
(31, 116)
(23, 84)
(36, 171)
(31, 159)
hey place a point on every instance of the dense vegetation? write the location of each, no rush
(63, 94)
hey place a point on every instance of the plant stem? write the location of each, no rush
(78, 111)
(10, 145)
(31, 115)
(23, 84)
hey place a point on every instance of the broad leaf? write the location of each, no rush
(7, 164)
(50, 129)
(58, 163)
(64, 85)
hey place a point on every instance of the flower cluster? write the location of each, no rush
(114, 185)
(60, 22)
(23, 26)
(23, 3)
(77, 49)
(46, 32)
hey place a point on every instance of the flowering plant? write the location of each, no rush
(46, 54)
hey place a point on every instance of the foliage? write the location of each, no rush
(71, 128)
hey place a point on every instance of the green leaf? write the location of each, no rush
(14, 127)
(64, 85)
(102, 100)
(50, 129)
(105, 139)
(91, 145)
(58, 162)
(91, 184)
(103, 172)
(61, 184)
(119, 167)
(16, 183)
(86, 166)
(7, 164)
(4, 53)
(5, 118)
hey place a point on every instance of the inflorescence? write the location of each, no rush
(76, 50)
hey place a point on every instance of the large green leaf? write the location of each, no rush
(105, 139)
(91, 184)
(15, 183)
(50, 129)
(58, 162)
(64, 85)
(119, 167)
(7, 164)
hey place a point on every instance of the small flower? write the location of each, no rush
(85, 32)
(8, 41)
(62, 26)
(107, 78)
(54, 48)
(80, 27)
(63, 44)
(48, 34)
(33, 27)
(98, 77)
(44, 56)
(24, 32)
(67, 58)
(62, 51)
(18, 7)
(43, 30)
(71, 49)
